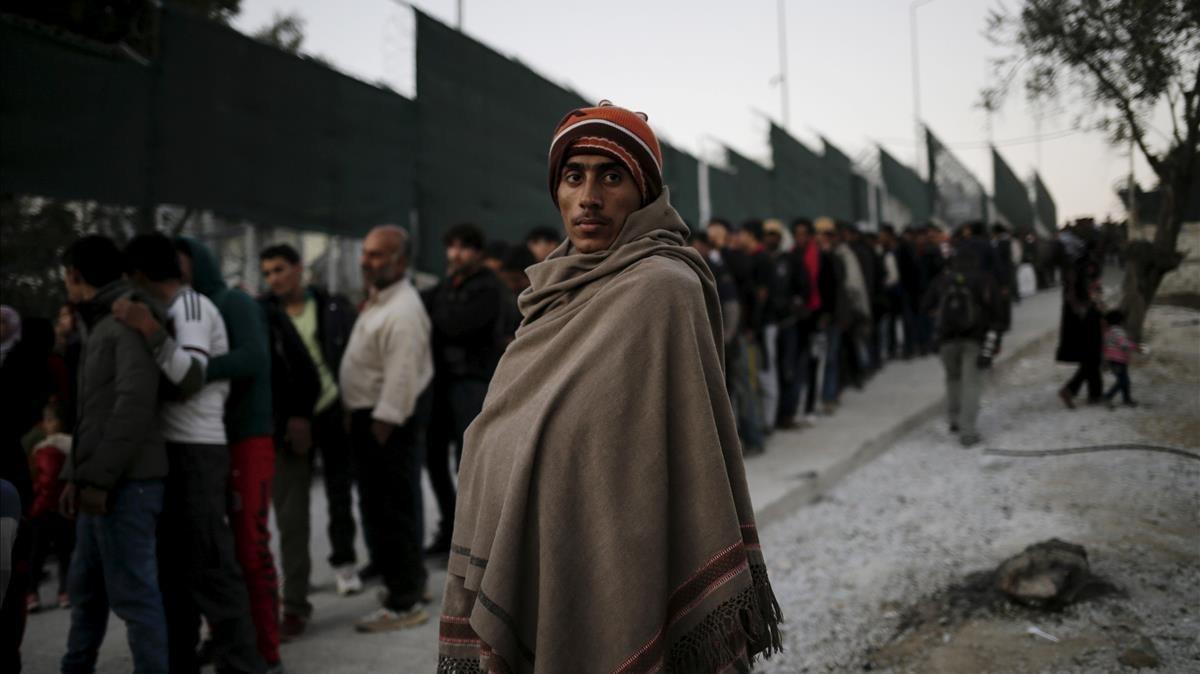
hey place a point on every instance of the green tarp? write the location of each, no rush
(905, 186)
(681, 173)
(741, 193)
(1047, 212)
(485, 124)
(73, 120)
(956, 196)
(1011, 197)
(837, 189)
(216, 121)
(796, 177)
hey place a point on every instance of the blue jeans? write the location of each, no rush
(114, 565)
(830, 387)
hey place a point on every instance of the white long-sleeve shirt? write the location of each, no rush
(388, 361)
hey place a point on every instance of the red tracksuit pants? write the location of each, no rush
(252, 469)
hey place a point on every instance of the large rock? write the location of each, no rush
(1045, 575)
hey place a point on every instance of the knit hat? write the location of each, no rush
(614, 132)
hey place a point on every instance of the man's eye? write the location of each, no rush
(612, 178)
(573, 178)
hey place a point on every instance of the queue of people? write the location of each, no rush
(807, 321)
(169, 412)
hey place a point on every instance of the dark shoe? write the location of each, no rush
(275, 668)
(969, 440)
(1065, 396)
(369, 572)
(204, 654)
(292, 626)
(787, 424)
(1110, 404)
(953, 427)
(1131, 403)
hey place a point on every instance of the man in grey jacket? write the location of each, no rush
(116, 468)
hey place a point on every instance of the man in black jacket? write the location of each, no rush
(309, 332)
(469, 335)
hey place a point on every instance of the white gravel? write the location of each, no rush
(927, 512)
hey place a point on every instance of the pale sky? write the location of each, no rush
(702, 70)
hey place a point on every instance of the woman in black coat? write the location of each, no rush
(1080, 337)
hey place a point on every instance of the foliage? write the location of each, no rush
(1127, 59)
(286, 32)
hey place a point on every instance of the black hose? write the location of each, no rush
(1093, 448)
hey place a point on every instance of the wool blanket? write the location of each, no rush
(603, 521)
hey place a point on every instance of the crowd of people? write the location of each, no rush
(163, 414)
(821, 308)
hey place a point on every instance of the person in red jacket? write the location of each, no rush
(50, 528)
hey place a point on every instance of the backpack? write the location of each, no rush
(958, 313)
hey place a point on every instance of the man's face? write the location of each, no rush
(772, 241)
(802, 235)
(282, 277)
(595, 196)
(718, 235)
(826, 240)
(382, 261)
(460, 257)
(185, 268)
(541, 248)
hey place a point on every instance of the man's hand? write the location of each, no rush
(135, 315)
(66, 501)
(93, 501)
(382, 430)
(299, 435)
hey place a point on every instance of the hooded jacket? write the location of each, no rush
(117, 435)
(248, 363)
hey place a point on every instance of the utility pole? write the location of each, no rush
(1130, 196)
(916, 78)
(783, 64)
(460, 15)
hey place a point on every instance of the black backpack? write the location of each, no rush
(958, 314)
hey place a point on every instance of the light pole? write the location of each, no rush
(783, 77)
(916, 76)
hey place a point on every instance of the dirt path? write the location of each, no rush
(866, 576)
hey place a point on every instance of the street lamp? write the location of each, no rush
(916, 80)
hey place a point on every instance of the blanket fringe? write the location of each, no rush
(736, 632)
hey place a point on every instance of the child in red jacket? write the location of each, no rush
(50, 528)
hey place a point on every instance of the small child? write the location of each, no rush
(50, 528)
(1117, 349)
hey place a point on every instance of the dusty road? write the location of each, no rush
(862, 574)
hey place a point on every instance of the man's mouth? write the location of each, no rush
(590, 225)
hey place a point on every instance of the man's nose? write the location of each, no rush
(592, 195)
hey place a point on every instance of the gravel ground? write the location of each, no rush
(928, 513)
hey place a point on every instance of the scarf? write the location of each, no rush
(603, 520)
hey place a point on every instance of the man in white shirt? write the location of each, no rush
(198, 568)
(388, 364)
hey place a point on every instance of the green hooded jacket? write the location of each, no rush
(247, 366)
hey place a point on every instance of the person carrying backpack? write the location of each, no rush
(962, 302)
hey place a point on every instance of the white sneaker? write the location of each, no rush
(347, 579)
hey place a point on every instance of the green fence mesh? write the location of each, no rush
(905, 186)
(217, 121)
(1010, 195)
(73, 120)
(742, 192)
(485, 123)
(796, 177)
(681, 173)
(956, 196)
(1047, 212)
(837, 191)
